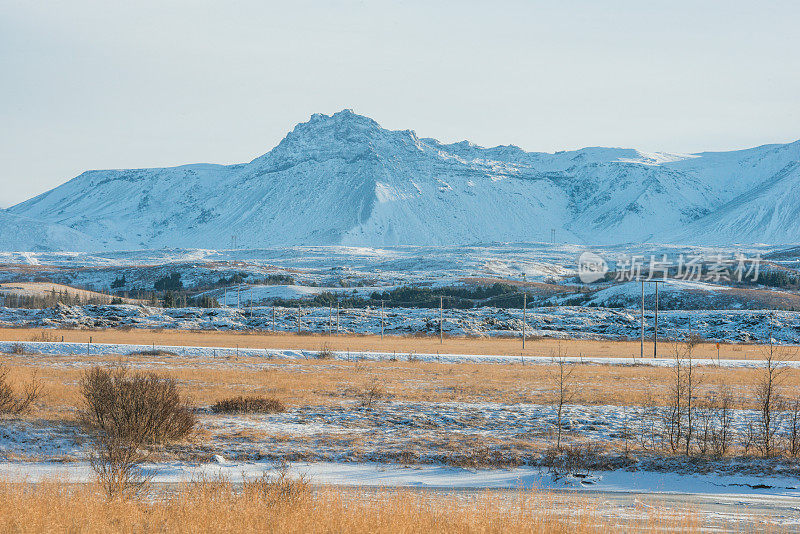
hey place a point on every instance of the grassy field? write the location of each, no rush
(289, 507)
(325, 382)
(398, 344)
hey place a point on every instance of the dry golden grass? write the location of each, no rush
(399, 344)
(217, 506)
(323, 382)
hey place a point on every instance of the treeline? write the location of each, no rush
(778, 278)
(451, 297)
(169, 299)
(181, 299)
(53, 298)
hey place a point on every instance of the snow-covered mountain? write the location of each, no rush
(342, 179)
(21, 233)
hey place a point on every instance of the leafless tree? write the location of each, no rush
(721, 406)
(768, 396)
(564, 390)
(679, 415)
(794, 429)
(691, 382)
(15, 403)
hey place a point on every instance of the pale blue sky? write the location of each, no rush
(87, 85)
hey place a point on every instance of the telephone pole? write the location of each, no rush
(337, 318)
(655, 323)
(524, 317)
(655, 329)
(441, 320)
(381, 320)
(641, 342)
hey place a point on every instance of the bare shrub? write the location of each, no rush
(125, 414)
(44, 336)
(152, 352)
(371, 395)
(17, 348)
(571, 460)
(479, 455)
(249, 404)
(14, 403)
(648, 428)
(325, 353)
(693, 339)
(140, 407)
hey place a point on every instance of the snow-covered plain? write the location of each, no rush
(55, 348)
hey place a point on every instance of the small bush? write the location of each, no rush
(371, 395)
(250, 404)
(125, 414)
(45, 336)
(152, 352)
(18, 349)
(325, 353)
(140, 407)
(694, 339)
(575, 460)
(13, 403)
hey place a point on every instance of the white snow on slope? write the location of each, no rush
(23, 233)
(342, 179)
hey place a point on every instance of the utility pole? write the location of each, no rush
(524, 317)
(337, 318)
(441, 320)
(299, 321)
(225, 301)
(655, 330)
(238, 297)
(381, 320)
(273, 319)
(641, 342)
(330, 319)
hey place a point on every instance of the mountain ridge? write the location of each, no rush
(342, 179)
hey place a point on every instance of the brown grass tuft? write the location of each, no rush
(250, 404)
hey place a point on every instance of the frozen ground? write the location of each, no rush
(557, 322)
(212, 354)
(420, 445)
(323, 265)
(718, 503)
(441, 477)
